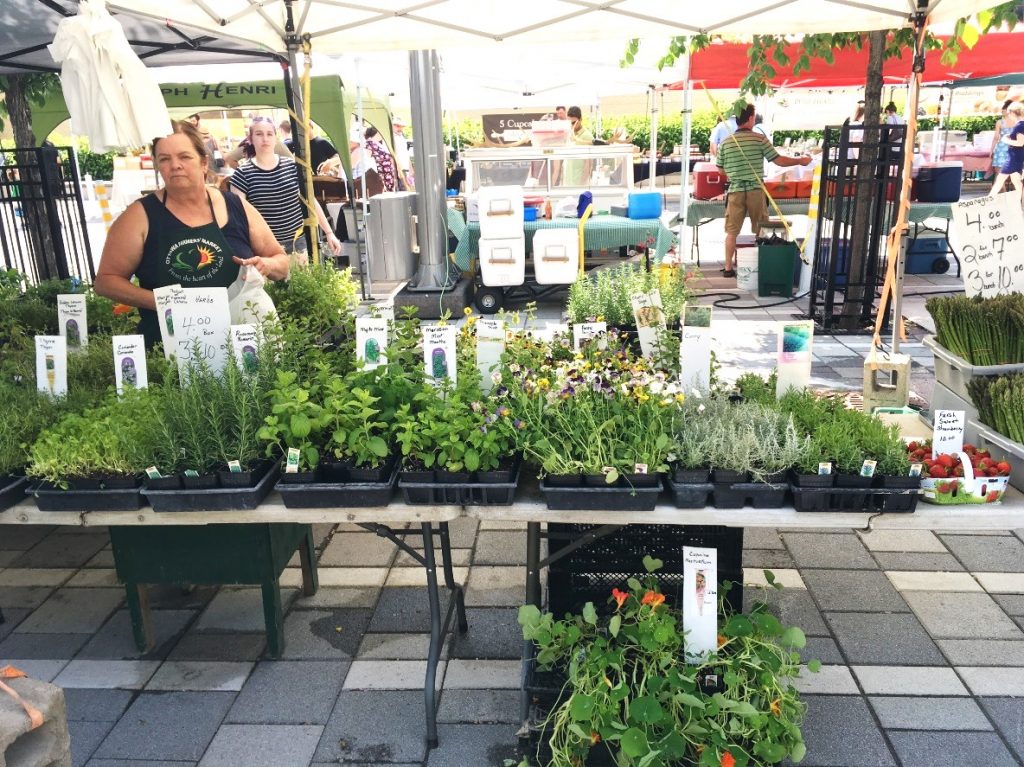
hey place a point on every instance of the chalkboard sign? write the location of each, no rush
(990, 231)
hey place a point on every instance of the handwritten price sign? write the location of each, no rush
(991, 235)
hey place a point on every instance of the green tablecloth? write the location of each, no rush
(600, 232)
(705, 210)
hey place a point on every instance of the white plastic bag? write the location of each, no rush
(247, 300)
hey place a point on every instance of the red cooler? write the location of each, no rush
(708, 181)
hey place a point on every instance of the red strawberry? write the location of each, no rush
(945, 460)
(912, 446)
(944, 487)
(938, 471)
(969, 448)
(1004, 468)
(993, 472)
(992, 497)
(958, 470)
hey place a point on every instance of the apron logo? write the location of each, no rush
(195, 259)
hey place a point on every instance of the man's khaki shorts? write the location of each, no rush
(740, 205)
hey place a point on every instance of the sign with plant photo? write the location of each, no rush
(700, 601)
(372, 341)
(72, 320)
(583, 332)
(439, 352)
(165, 317)
(649, 318)
(793, 355)
(695, 348)
(130, 371)
(550, 330)
(490, 345)
(202, 327)
(245, 342)
(52, 365)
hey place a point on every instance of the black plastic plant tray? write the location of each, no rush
(11, 491)
(462, 494)
(758, 495)
(128, 499)
(600, 498)
(214, 499)
(331, 495)
(876, 499)
(689, 495)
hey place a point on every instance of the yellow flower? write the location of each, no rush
(543, 384)
(467, 311)
(680, 398)
(776, 707)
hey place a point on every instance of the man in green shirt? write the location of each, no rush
(740, 157)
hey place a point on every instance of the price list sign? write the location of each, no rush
(990, 231)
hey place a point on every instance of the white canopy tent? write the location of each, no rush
(344, 28)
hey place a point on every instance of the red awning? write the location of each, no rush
(724, 65)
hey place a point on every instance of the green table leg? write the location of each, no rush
(307, 558)
(273, 617)
(138, 609)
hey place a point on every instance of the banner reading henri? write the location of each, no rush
(509, 129)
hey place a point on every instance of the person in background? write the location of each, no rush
(185, 234)
(740, 157)
(212, 148)
(244, 148)
(720, 133)
(320, 149)
(561, 114)
(891, 116)
(1013, 168)
(576, 173)
(402, 155)
(1000, 150)
(271, 184)
(386, 167)
(580, 135)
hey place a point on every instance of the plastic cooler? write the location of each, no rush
(556, 256)
(643, 205)
(503, 262)
(746, 262)
(927, 255)
(939, 181)
(708, 181)
(776, 269)
(501, 212)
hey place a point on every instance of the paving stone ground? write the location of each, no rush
(920, 633)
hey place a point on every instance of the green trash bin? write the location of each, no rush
(777, 269)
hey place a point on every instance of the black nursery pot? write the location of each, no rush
(501, 475)
(299, 477)
(83, 483)
(248, 478)
(120, 482)
(202, 482)
(729, 477)
(596, 480)
(564, 480)
(640, 480)
(419, 475)
(373, 474)
(851, 501)
(691, 476)
(453, 477)
(335, 471)
(173, 482)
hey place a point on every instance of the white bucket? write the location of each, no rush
(746, 269)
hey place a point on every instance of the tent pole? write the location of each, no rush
(652, 160)
(684, 175)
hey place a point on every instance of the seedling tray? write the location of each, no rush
(463, 494)
(689, 495)
(759, 495)
(53, 499)
(330, 495)
(214, 499)
(875, 500)
(600, 498)
(12, 490)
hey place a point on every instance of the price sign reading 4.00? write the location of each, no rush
(990, 231)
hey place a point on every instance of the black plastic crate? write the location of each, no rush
(214, 499)
(600, 498)
(330, 495)
(875, 500)
(12, 490)
(462, 494)
(48, 498)
(689, 495)
(589, 573)
(758, 495)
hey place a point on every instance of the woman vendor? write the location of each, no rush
(185, 234)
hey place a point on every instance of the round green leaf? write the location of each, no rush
(299, 425)
(739, 626)
(793, 637)
(378, 447)
(581, 707)
(646, 709)
(634, 743)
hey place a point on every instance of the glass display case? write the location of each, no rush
(605, 171)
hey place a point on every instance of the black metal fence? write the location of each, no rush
(43, 231)
(860, 192)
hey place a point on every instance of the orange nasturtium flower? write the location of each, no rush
(595, 738)
(620, 598)
(776, 707)
(728, 760)
(123, 309)
(653, 599)
(722, 640)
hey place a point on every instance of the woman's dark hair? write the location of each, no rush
(186, 129)
(1006, 104)
(890, 107)
(574, 112)
(371, 132)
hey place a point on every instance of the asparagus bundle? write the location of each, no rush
(983, 331)
(1000, 403)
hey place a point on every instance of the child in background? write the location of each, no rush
(1014, 165)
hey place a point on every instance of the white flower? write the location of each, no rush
(496, 377)
(701, 409)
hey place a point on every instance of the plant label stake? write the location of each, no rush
(72, 320)
(439, 352)
(700, 601)
(372, 341)
(130, 369)
(948, 432)
(52, 365)
(793, 356)
(583, 332)
(650, 320)
(490, 345)
(165, 317)
(245, 343)
(695, 348)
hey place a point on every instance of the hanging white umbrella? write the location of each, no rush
(111, 96)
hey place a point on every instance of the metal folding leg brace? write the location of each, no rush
(438, 629)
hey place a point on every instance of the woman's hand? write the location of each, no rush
(334, 244)
(257, 263)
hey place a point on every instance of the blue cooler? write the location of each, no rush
(645, 205)
(927, 255)
(843, 257)
(939, 181)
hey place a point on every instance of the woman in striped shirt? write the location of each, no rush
(271, 184)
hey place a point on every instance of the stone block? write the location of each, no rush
(46, 746)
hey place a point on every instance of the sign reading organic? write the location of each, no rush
(130, 371)
(71, 319)
(372, 341)
(52, 365)
(490, 345)
(990, 231)
(508, 128)
(439, 352)
(700, 601)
